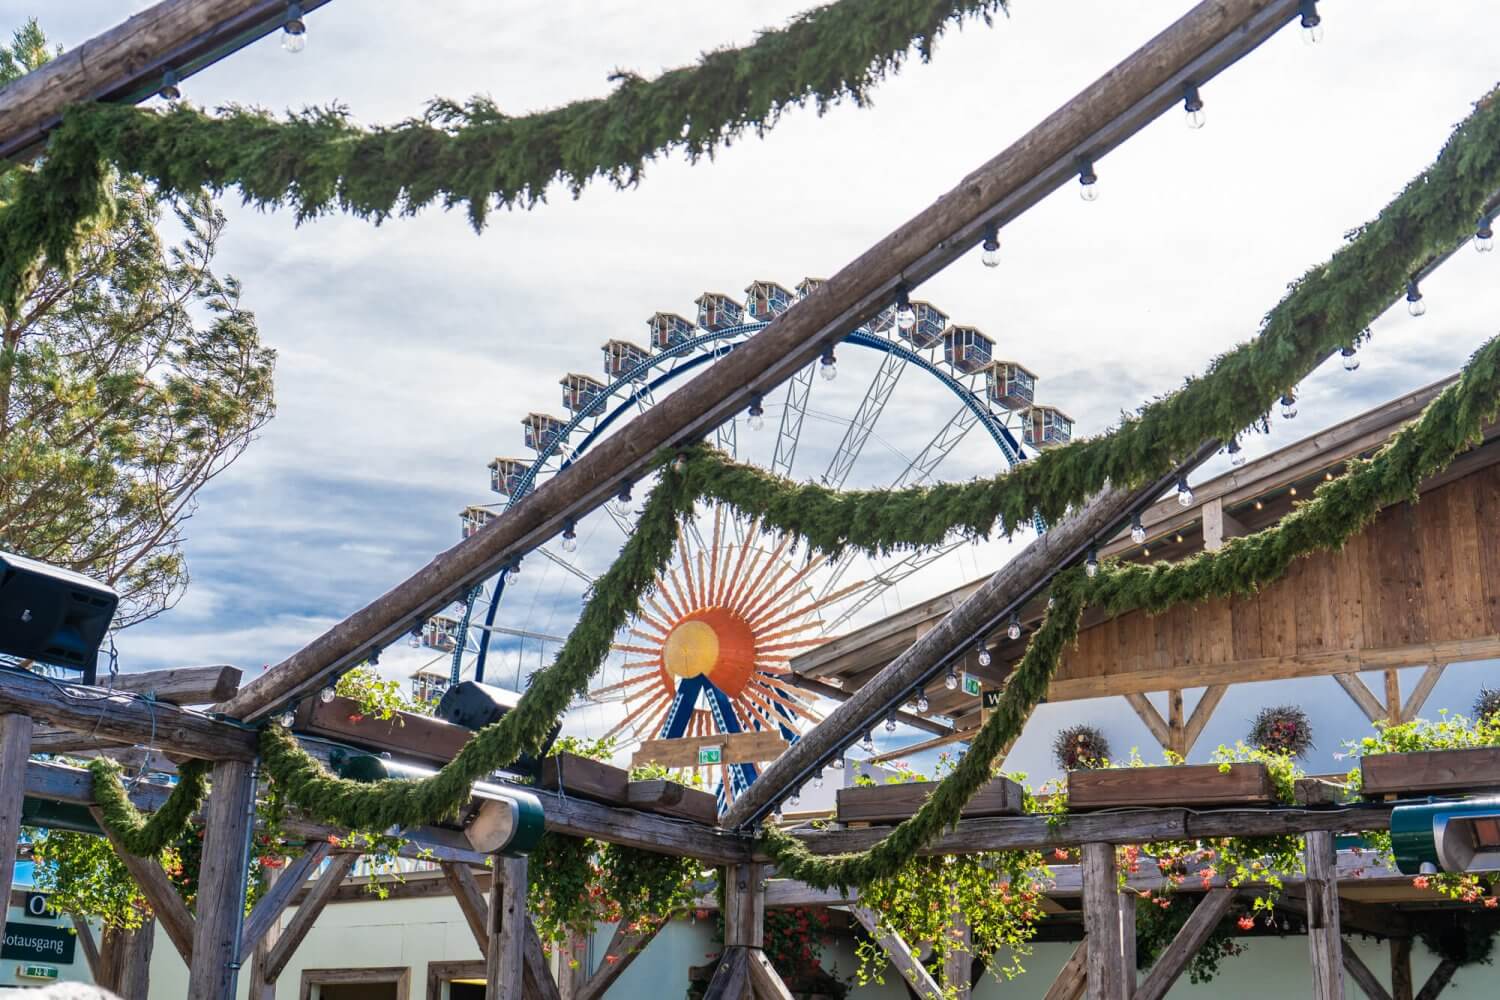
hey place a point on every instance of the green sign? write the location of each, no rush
(992, 698)
(36, 972)
(973, 685)
(38, 941)
(710, 755)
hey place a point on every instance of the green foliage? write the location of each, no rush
(602, 749)
(794, 940)
(84, 875)
(648, 887)
(469, 155)
(378, 697)
(1157, 923)
(564, 897)
(652, 771)
(142, 836)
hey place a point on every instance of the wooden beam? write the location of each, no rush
(1362, 696)
(840, 695)
(123, 717)
(900, 954)
(1101, 922)
(1208, 38)
(738, 748)
(1401, 984)
(229, 819)
(537, 976)
(1392, 696)
(169, 908)
(618, 956)
(1178, 734)
(745, 907)
(1323, 941)
(505, 953)
(1218, 525)
(126, 62)
(260, 947)
(1420, 694)
(1170, 964)
(307, 914)
(15, 753)
(181, 685)
(279, 892)
(1072, 978)
(765, 981)
(1361, 974)
(957, 959)
(88, 944)
(663, 834)
(1202, 712)
(573, 965)
(470, 897)
(1152, 718)
(1438, 980)
(125, 959)
(731, 980)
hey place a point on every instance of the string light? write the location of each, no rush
(1351, 361)
(414, 637)
(514, 569)
(757, 417)
(1177, 538)
(983, 655)
(906, 316)
(679, 462)
(1184, 493)
(1137, 531)
(795, 798)
(1484, 236)
(1414, 303)
(1289, 405)
(287, 718)
(818, 779)
(169, 91)
(1312, 22)
(951, 681)
(890, 723)
(922, 703)
(1014, 628)
(570, 536)
(1145, 553)
(622, 499)
(327, 694)
(1088, 181)
(294, 29)
(991, 255)
(1260, 505)
(1091, 564)
(838, 763)
(1192, 105)
(1292, 491)
(1236, 453)
(868, 743)
(828, 366)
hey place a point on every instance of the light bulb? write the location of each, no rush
(868, 743)
(991, 244)
(838, 763)
(1184, 494)
(1192, 105)
(327, 694)
(922, 703)
(756, 422)
(890, 723)
(951, 681)
(1137, 533)
(169, 91)
(570, 541)
(293, 42)
(1089, 190)
(1312, 33)
(1236, 453)
(906, 317)
(795, 798)
(1289, 406)
(818, 779)
(1351, 360)
(1195, 118)
(287, 718)
(828, 368)
(1091, 564)
(414, 640)
(1484, 237)
(621, 501)
(1014, 628)
(1414, 303)
(757, 417)
(983, 656)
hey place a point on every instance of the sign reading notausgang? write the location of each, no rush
(38, 941)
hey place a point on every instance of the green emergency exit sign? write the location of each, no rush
(973, 686)
(36, 972)
(710, 755)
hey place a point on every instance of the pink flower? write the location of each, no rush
(1421, 882)
(1246, 923)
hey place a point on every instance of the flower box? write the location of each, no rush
(571, 774)
(1173, 785)
(659, 795)
(1424, 772)
(404, 735)
(893, 803)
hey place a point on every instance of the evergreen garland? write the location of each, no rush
(1449, 425)
(470, 155)
(141, 836)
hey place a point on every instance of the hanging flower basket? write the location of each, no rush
(1079, 748)
(1487, 705)
(1283, 729)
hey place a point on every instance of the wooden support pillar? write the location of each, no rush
(228, 820)
(1420, 693)
(745, 907)
(1072, 977)
(125, 960)
(261, 942)
(958, 959)
(1176, 732)
(1127, 900)
(1393, 697)
(505, 955)
(572, 966)
(1400, 967)
(15, 751)
(1323, 941)
(1107, 973)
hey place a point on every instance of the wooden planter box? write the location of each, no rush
(588, 779)
(1428, 771)
(1180, 785)
(893, 803)
(659, 795)
(406, 735)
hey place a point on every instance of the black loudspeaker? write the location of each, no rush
(53, 615)
(474, 706)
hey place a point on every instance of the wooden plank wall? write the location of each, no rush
(1421, 578)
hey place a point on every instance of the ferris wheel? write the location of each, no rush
(710, 651)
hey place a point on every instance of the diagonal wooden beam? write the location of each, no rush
(1071, 978)
(471, 902)
(289, 880)
(1207, 39)
(1400, 949)
(1422, 691)
(159, 892)
(1185, 944)
(900, 954)
(1361, 974)
(765, 981)
(731, 980)
(89, 944)
(1202, 712)
(538, 979)
(1148, 714)
(622, 951)
(1362, 695)
(307, 913)
(1438, 980)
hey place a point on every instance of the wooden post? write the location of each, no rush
(1175, 727)
(1361, 974)
(1071, 978)
(1127, 900)
(745, 907)
(1101, 920)
(1401, 987)
(1323, 939)
(15, 751)
(228, 820)
(958, 960)
(262, 988)
(1393, 697)
(124, 960)
(505, 957)
(572, 966)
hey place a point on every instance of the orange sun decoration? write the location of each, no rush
(733, 612)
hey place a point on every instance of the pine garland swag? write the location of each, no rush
(467, 155)
(141, 836)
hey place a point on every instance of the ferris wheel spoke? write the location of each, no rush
(790, 433)
(565, 564)
(859, 429)
(726, 437)
(891, 576)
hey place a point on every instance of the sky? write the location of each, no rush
(409, 352)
